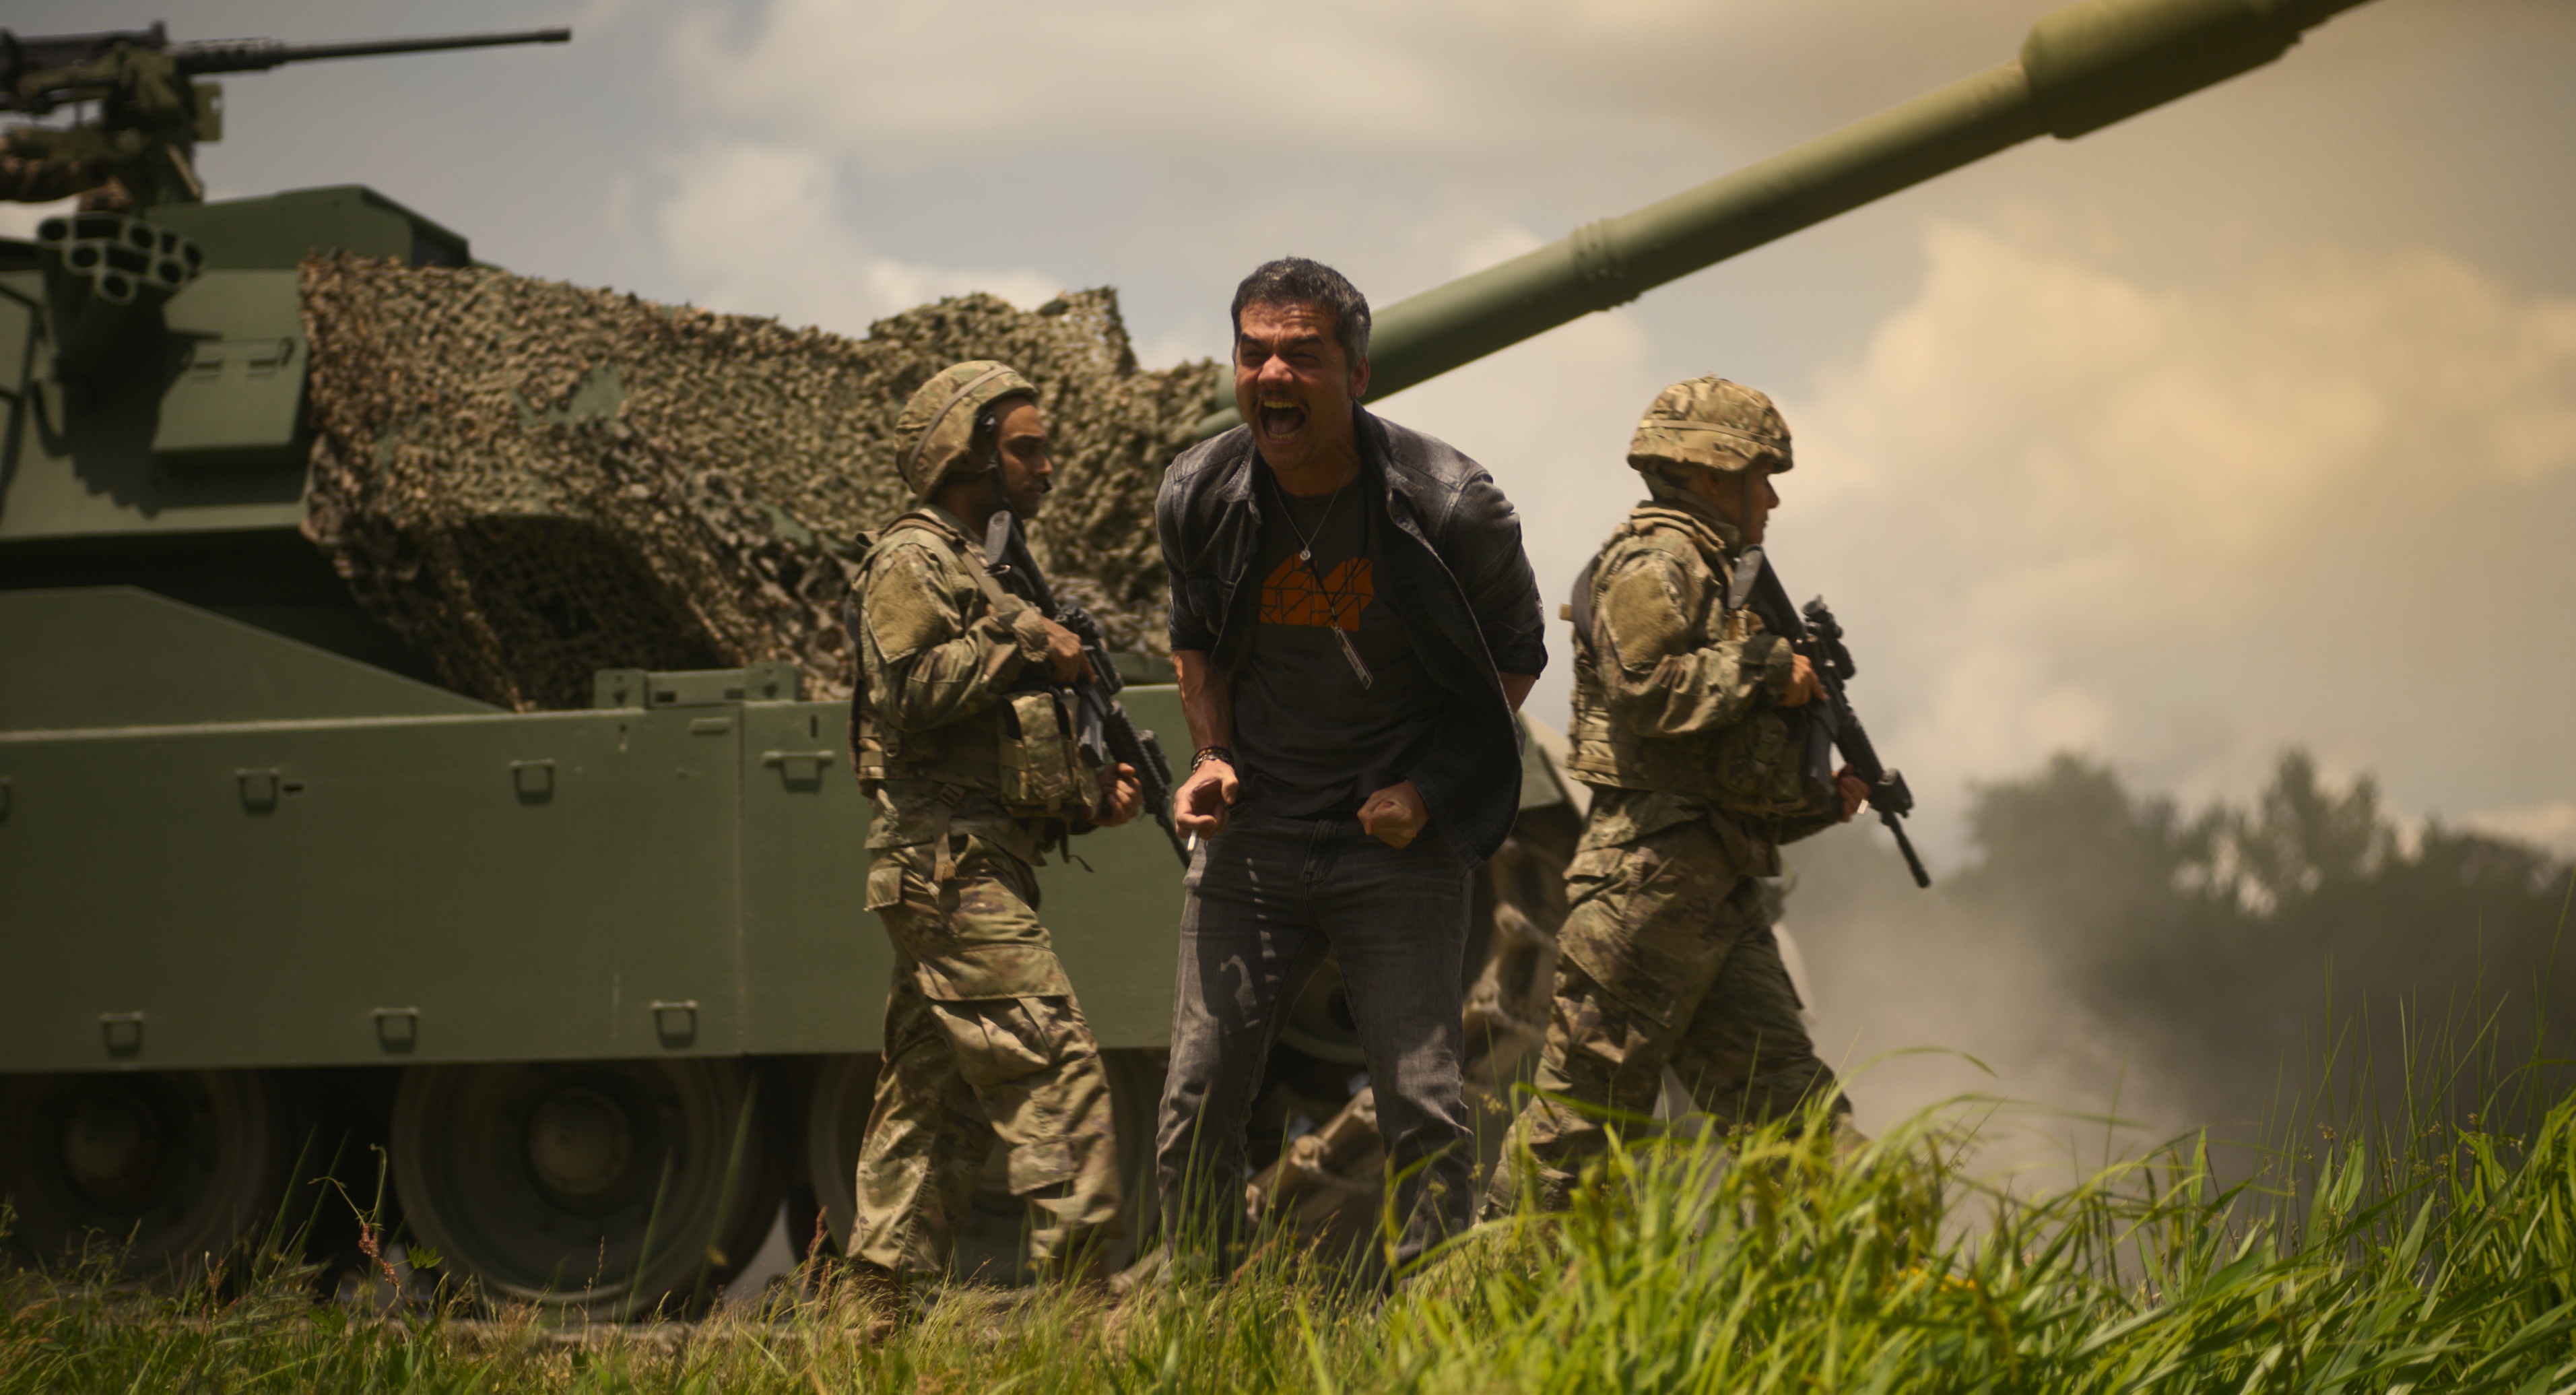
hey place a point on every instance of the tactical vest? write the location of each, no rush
(1749, 767)
(1022, 751)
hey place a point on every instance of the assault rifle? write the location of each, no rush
(1101, 724)
(1832, 724)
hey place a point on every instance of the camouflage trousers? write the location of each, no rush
(963, 1073)
(1669, 962)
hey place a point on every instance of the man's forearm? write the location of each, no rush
(1207, 700)
(1516, 687)
(1207, 703)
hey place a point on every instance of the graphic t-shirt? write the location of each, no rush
(1313, 739)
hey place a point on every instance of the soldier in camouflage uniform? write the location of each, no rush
(973, 773)
(1686, 726)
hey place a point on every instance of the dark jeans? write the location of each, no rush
(1266, 900)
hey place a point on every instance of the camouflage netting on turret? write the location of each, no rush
(533, 481)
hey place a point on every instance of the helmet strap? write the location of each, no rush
(988, 429)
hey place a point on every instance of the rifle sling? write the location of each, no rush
(1583, 614)
(994, 590)
(854, 624)
(1755, 585)
(1006, 548)
(1748, 570)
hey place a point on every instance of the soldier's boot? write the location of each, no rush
(884, 1298)
(1081, 1226)
(1079, 1258)
(1163, 1268)
(1075, 1254)
(1149, 1271)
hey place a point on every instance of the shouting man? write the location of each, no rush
(1686, 727)
(962, 756)
(1354, 624)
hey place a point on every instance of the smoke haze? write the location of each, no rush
(2110, 951)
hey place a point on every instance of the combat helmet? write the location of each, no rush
(1713, 424)
(936, 433)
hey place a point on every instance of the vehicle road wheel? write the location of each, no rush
(611, 1189)
(994, 1247)
(160, 1175)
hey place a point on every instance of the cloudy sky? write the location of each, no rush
(2248, 422)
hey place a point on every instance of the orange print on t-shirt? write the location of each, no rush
(1289, 596)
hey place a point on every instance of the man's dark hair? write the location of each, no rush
(1300, 281)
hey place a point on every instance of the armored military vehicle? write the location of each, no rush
(420, 716)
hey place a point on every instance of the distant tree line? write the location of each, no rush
(2305, 944)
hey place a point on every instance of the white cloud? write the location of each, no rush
(906, 86)
(903, 86)
(2066, 507)
(756, 228)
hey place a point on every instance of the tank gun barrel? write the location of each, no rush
(2081, 68)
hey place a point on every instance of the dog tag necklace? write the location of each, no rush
(1332, 602)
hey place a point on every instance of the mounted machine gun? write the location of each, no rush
(140, 150)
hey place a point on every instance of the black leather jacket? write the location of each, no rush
(1454, 571)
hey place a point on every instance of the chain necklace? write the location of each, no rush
(1305, 540)
(1332, 601)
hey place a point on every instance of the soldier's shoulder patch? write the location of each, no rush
(1646, 605)
(913, 592)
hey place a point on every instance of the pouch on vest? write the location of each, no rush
(1041, 771)
(1765, 765)
(885, 884)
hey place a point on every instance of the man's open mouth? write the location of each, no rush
(1281, 420)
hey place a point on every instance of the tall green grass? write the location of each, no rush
(2435, 1252)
